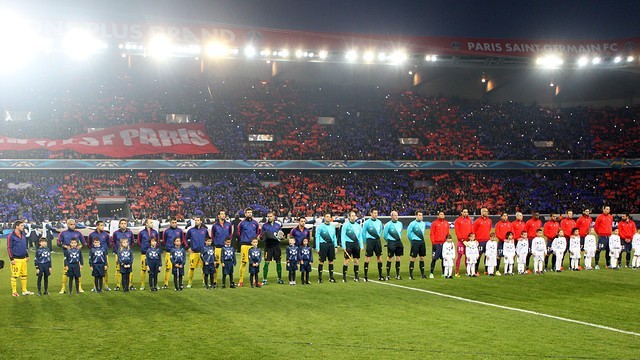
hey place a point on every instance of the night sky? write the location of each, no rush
(560, 19)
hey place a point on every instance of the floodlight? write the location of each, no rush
(583, 61)
(80, 44)
(217, 50)
(629, 59)
(300, 53)
(249, 51)
(617, 59)
(323, 54)
(382, 56)
(596, 60)
(351, 55)
(398, 57)
(160, 46)
(283, 53)
(368, 56)
(550, 61)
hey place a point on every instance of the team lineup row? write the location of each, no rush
(213, 253)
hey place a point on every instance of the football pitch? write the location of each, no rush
(584, 315)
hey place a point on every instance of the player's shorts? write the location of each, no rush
(461, 247)
(419, 248)
(603, 243)
(327, 252)
(98, 270)
(209, 269)
(436, 252)
(153, 266)
(195, 261)
(273, 252)
(244, 252)
(395, 248)
(20, 268)
(45, 269)
(353, 249)
(500, 247)
(254, 269)
(482, 245)
(167, 261)
(549, 248)
(626, 247)
(373, 246)
(73, 270)
(143, 262)
(581, 243)
(305, 266)
(292, 266)
(227, 269)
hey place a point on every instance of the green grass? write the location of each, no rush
(352, 320)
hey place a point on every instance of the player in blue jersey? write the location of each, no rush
(43, 266)
(168, 237)
(153, 263)
(306, 259)
(255, 256)
(208, 256)
(195, 238)
(98, 264)
(73, 263)
(144, 238)
(103, 236)
(301, 232)
(221, 230)
(248, 229)
(64, 241)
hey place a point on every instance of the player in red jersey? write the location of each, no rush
(603, 227)
(550, 231)
(463, 226)
(502, 228)
(627, 228)
(531, 227)
(482, 229)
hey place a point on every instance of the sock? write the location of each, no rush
(105, 280)
(422, 267)
(458, 264)
(411, 266)
(355, 270)
(498, 264)
(628, 258)
(330, 271)
(597, 257)
(242, 267)
(191, 272)
(279, 270)
(397, 268)
(151, 281)
(265, 269)
(23, 283)
(388, 267)
(166, 276)
(78, 285)
(95, 283)
(175, 281)
(65, 280)
(142, 276)
(217, 275)
(70, 284)
(251, 278)
(366, 269)
(130, 281)
(101, 283)
(344, 272)
(320, 267)
(39, 282)
(528, 260)
(380, 269)
(433, 265)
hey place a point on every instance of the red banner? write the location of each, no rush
(238, 36)
(126, 141)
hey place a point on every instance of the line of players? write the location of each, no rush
(474, 239)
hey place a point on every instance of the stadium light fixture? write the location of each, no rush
(249, 51)
(368, 56)
(484, 78)
(217, 50)
(583, 61)
(80, 44)
(351, 55)
(550, 61)
(617, 60)
(300, 53)
(398, 57)
(629, 59)
(596, 60)
(382, 56)
(323, 54)
(431, 58)
(18, 42)
(265, 52)
(160, 46)
(284, 53)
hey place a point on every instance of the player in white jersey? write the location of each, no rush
(539, 251)
(522, 250)
(448, 256)
(635, 246)
(471, 254)
(491, 254)
(590, 245)
(509, 253)
(574, 249)
(615, 248)
(559, 246)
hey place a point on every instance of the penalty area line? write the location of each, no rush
(530, 312)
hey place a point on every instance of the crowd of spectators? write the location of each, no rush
(38, 196)
(369, 120)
